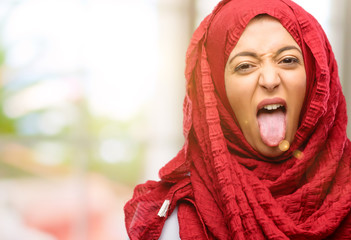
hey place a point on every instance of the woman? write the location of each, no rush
(266, 154)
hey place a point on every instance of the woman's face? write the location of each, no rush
(265, 81)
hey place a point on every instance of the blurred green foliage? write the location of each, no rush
(7, 125)
(9, 171)
(89, 129)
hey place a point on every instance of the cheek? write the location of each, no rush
(239, 93)
(299, 86)
(242, 86)
(296, 84)
(296, 89)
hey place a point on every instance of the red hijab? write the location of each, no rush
(223, 188)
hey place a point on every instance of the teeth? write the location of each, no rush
(272, 106)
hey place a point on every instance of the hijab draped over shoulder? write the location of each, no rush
(223, 188)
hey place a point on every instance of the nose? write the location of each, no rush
(269, 77)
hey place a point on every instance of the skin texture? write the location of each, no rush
(265, 64)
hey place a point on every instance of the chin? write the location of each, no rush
(270, 152)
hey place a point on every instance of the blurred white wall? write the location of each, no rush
(164, 121)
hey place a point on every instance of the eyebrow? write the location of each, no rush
(252, 54)
(286, 49)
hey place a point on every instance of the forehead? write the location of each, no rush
(264, 33)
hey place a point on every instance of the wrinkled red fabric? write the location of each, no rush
(224, 189)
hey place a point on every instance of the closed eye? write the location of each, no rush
(243, 67)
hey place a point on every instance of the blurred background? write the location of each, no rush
(91, 96)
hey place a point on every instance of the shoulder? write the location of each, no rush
(170, 230)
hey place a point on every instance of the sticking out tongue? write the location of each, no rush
(272, 126)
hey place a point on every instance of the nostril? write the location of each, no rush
(269, 82)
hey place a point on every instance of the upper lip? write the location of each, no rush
(270, 101)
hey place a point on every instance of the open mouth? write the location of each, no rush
(271, 118)
(272, 107)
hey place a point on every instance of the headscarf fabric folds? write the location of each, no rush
(223, 188)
